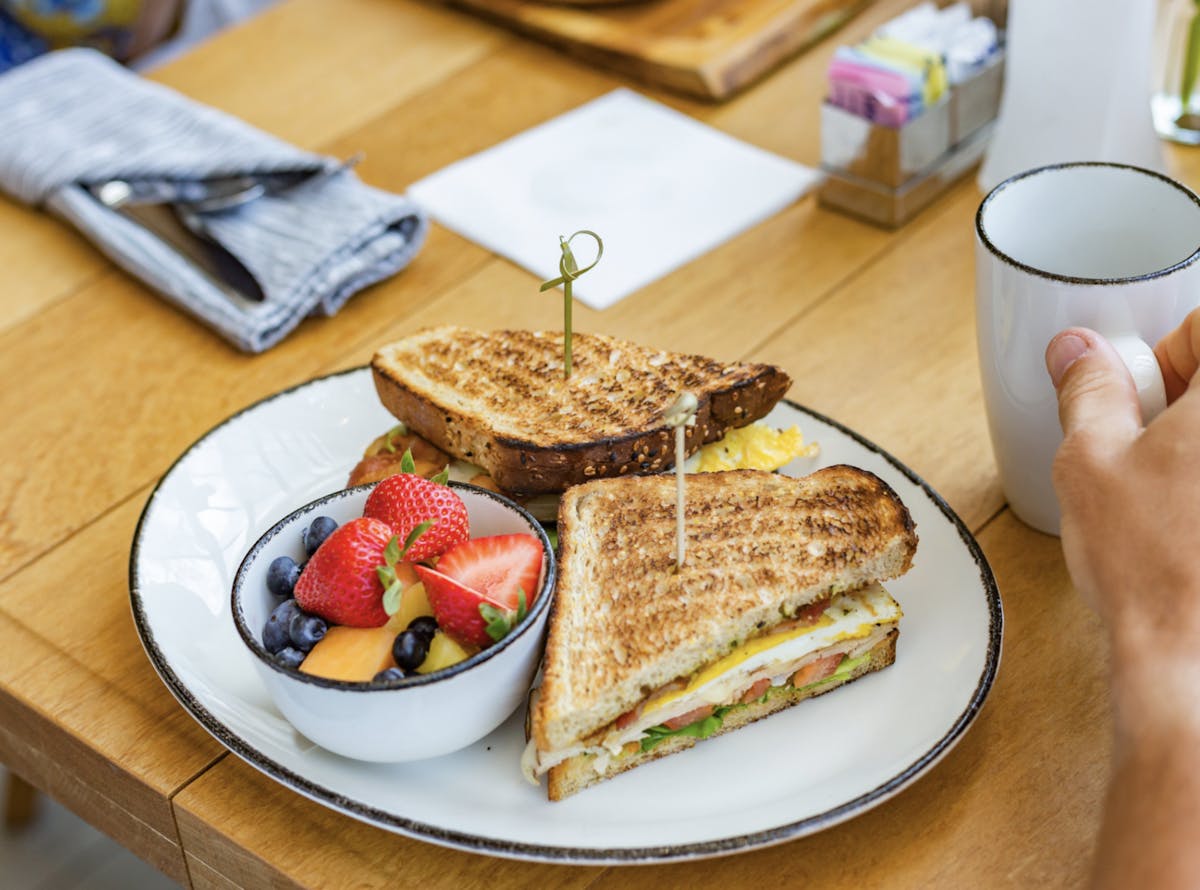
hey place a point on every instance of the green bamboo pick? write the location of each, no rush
(570, 271)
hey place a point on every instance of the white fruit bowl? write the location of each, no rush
(419, 716)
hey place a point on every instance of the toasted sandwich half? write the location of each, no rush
(497, 400)
(778, 601)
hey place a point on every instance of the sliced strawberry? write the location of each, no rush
(456, 607)
(406, 500)
(341, 580)
(497, 567)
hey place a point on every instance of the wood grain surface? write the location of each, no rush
(712, 49)
(107, 385)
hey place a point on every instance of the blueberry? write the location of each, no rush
(314, 536)
(277, 631)
(281, 576)
(306, 631)
(389, 675)
(289, 657)
(409, 650)
(424, 626)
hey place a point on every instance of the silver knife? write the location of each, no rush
(217, 265)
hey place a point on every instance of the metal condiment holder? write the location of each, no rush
(886, 175)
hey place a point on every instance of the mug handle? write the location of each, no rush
(1139, 358)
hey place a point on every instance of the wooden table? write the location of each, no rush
(104, 385)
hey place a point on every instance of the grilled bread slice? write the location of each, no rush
(761, 548)
(498, 400)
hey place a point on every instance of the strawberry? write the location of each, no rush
(457, 608)
(496, 567)
(341, 581)
(482, 587)
(406, 500)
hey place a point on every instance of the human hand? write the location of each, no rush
(1130, 495)
(1130, 499)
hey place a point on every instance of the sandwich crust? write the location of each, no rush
(760, 547)
(579, 772)
(498, 399)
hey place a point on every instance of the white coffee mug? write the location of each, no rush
(1104, 246)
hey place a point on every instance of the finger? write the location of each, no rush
(1096, 396)
(1178, 355)
(1186, 405)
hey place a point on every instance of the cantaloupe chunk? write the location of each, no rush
(413, 604)
(355, 654)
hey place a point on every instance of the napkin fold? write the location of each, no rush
(659, 187)
(73, 120)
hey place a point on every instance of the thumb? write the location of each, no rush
(1096, 395)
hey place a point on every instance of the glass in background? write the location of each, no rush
(1176, 101)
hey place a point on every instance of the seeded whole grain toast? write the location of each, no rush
(498, 400)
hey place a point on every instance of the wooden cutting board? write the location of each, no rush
(706, 48)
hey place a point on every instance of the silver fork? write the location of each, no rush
(230, 193)
(221, 194)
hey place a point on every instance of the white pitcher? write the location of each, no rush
(1077, 87)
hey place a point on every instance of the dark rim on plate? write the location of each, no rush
(584, 855)
(252, 641)
(1071, 279)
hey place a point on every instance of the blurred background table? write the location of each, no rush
(105, 386)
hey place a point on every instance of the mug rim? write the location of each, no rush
(1071, 279)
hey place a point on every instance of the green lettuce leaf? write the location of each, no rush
(701, 729)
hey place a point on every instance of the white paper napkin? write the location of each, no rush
(658, 186)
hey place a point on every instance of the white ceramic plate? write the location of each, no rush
(802, 770)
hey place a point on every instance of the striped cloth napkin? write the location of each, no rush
(74, 118)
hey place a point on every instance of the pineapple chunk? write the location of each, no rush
(444, 652)
(355, 654)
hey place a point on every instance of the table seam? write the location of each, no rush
(899, 239)
(183, 851)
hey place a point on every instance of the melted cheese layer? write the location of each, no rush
(850, 616)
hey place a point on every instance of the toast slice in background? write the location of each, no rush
(498, 400)
(761, 548)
